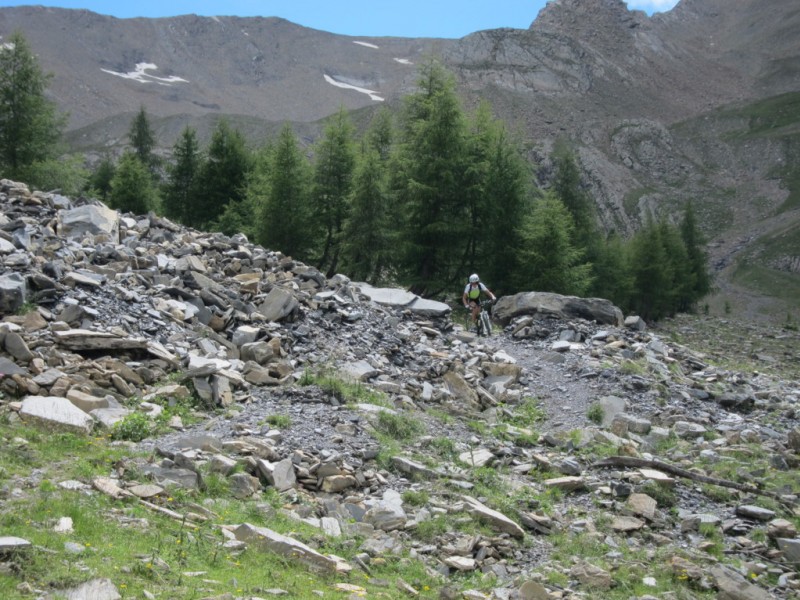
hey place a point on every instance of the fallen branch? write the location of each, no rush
(170, 513)
(642, 463)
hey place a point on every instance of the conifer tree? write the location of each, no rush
(499, 200)
(245, 216)
(679, 293)
(286, 223)
(333, 173)
(223, 175)
(612, 272)
(651, 272)
(143, 141)
(100, 180)
(30, 127)
(567, 187)
(550, 262)
(181, 187)
(366, 234)
(696, 256)
(430, 184)
(381, 134)
(132, 187)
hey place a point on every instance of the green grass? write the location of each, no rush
(141, 550)
(777, 284)
(345, 391)
(632, 367)
(444, 447)
(279, 421)
(527, 413)
(399, 426)
(431, 529)
(416, 498)
(627, 571)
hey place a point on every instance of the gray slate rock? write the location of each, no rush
(567, 307)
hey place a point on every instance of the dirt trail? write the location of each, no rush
(565, 384)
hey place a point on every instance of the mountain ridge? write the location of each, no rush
(659, 110)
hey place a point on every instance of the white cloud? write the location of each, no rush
(651, 6)
(367, 44)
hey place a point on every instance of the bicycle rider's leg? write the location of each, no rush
(475, 310)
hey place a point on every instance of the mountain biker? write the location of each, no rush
(472, 294)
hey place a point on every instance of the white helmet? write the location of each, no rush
(474, 278)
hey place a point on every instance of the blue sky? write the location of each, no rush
(401, 18)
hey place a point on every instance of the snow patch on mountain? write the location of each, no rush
(140, 74)
(372, 94)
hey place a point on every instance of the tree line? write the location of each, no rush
(424, 196)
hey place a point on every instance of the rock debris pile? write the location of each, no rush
(594, 426)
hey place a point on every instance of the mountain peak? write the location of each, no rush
(579, 17)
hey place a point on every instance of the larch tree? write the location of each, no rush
(696, 256)
(180, 188)
(286, 223)
(333, 175)
(550, 261)
(223, 175)
(30, 127)
(430, 184)
(100, 180)
(366, 240)
(143, 141)
(499, 198)
(132, 188)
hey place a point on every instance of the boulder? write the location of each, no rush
(57, 413)
(89, 219)
(565, 307)
(13, 293)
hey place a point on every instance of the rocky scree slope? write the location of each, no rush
(136, 307)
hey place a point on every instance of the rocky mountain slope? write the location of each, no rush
(573, 452)
(699, 103)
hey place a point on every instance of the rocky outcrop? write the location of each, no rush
(562, 307)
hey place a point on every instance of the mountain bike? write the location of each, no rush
(484, 322)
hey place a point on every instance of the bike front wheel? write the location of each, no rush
(485, 324)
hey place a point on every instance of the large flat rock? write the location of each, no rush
(55, 412)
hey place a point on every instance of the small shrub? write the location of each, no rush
(26, 308)
(307, 378)
(414, 498)
(444, 447)
(486, 476)
(663, 495)
(399, 426)
(133, 428)
(478, 427)
(595, 413)
(279, 421)
(631, 367)
(528, 412)
(216, 485)
(430, 529)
